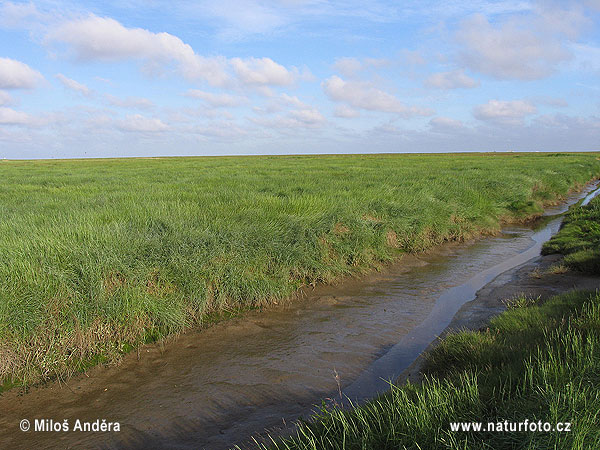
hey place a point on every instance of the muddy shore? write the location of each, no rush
(531, 279)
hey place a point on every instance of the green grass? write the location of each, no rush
(579, 238)
(535, 362)
(99, 256)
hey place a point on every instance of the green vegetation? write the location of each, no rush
(99, 256)
(579, 238)
(535, 363)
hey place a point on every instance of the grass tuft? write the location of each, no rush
(579, 238)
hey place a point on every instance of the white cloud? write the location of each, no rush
(347, 66)
(549, 101)
(139, 123)
(104, 39)
(565, 122)
(216, 100)
(9, 116)
(308, 116)
(346, 112)
(220, 130)
(280, 103)
(594, 4)
(569, 21)
(445, 124)
(129, 102)
(504, 112)
(16, 15)
(299, 118)
(364, 95)
(293, 101)
(451, 80)
(17, 75)
(261, 72)
(509, 50)
(74, 85)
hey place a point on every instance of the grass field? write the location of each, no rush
(579, 238)
(536, 363)
(98, 256)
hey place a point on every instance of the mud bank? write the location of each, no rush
(531, 279)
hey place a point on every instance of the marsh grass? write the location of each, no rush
(557, 269)
(100, 256)
(535, 362)
(579, 239)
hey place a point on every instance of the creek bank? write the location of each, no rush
(533, 279)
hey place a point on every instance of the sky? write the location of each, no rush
(181, 77)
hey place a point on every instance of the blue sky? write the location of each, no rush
(147, 78)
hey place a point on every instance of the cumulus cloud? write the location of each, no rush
(9, 116)
(364, 95)
(17, 75)
(139, 123)
(346, 112)
(74, 85)
(509, 50)
(261, 72)
(504, 112)
(104, 39)
(451, 80)
(281, 102)
(308, 117)
(216, 100)
(292, 100)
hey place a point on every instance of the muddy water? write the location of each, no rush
(215, 388)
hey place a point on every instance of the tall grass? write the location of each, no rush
(535, 363)
(579, 238)
(97, 256)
